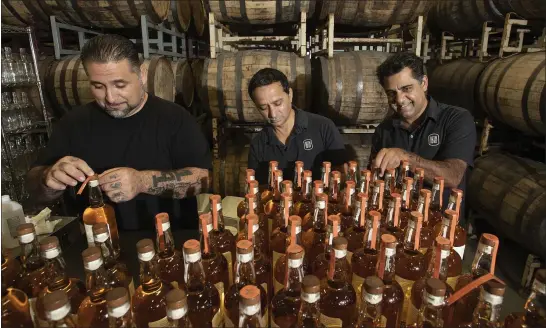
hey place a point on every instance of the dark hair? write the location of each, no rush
(397, 62)
(110, 48)
(267, 76)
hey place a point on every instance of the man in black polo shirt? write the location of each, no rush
(436, 137)
(292, 134)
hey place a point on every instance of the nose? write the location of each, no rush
(110, 98)
(400, 98)
(270, 112)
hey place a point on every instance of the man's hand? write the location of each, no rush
(389, 158)
(66, 172)
(121, 184)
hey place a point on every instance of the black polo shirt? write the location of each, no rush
(314, 139)
(443, 132)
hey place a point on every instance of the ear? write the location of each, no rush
(144, 74)
(424, 83)
(290, 94)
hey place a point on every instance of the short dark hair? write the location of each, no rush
(110, 48)
(397, 62)
(267, 76)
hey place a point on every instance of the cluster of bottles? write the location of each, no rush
(18, 113)
(17, 69)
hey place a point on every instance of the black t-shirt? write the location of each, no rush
(444, 132)
(161, 136)
(314, 139)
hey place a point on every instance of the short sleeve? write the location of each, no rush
(190, 147)
(459, 139)
(332, 137)
(57, 147)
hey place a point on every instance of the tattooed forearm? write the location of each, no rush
(176, 184)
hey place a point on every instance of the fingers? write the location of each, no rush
(109, 176)
(111, 186)
(379, 158)
(82, 166)
(54, 184)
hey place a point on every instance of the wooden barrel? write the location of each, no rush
(512, 90)
(347, 89)
(184, 88)
(197, 71)
(260, 12)
(160, 77)
(179, 15)
(199, 15)
(229, 174)
(225, 81)
(358, 148)
(511, 193)
(455, 84)
(44, 65)
(375, 13)
(528, 9)
(463, 16)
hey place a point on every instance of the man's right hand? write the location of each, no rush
(66, 172)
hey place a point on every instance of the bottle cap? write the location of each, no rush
(340, 243)
(299, 164)
(286, 196)
(404, 163)
(91, 254)
(397, 198)
(311, 284)
(307, 174)
(390, 171)
(489, 239)
(388, 241)
(318, 184)
(249, 295)
(176, 299)
(206, 217)
(48, 243)
(25, 229)
(286, 185)
(336, 174)
(295, 252)
(438, 180)
(55, 300)
(117, 297)
(373, 285)
(99, 228)
(273, 164)
(374, 215)
(250, 174)
(456, 192)
(252, 184)
(417, 216)
(244, 247)
(425, 193)
(443, 243)
(451, 215)
(494, 287)
(323, 197)
(164, 217)
(435, 287)
(145, 246)
(192, 246)
(408, 181)
(350, 184)
(294, 220)
(361, 196)
(93, 183)
(215, 198)
(327, 164)
(332, 219)
(380, 184)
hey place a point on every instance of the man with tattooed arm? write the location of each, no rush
(150, 154)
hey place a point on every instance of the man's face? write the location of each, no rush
(273, 103)
(117, 88)
(407, 96)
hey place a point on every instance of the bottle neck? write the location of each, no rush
(405, 197)
(387, 266)
(194, 275)
(178, 317)
(244, 269)
(286, 211)
(483, 260)
(250, 314)
(437, 267)
(537, 301)
(251, 205)
(389, 185)
(56, 270)
(218, 218)
(306, 189)
(370, 309)
(30, 255)
(338, 269)
(488, 310)
(95, 197)
(334, 189)
(411, 238)
(371, 235)
(96, 280)
(309, 309)
(431, 311)
(320, 215)
(295, 236)
(108, 252)
(165, 241)
(403, 172)
(149, 272)
(325, 177)
(436, 198)
(377, 202)
(359, 215)
(294, 276)
(298, 177)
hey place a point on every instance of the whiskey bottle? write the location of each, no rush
(314, 239)
(268, 194)
(304, 205)
(431, 312)
(318, 188)
(364, 182)
(364, 260)
(370, 309)
(403, 172)
(534, 315)
(253, 233)
(221, 239)
(250, 176)
(347, 211)
(11, 268)
(389, 188)
(58, 310)
(249, 189)
(320, 265)
(418, 180)
(287, 187)
(325, 177)
(309, 312)
(280, 237)
(436, 204)
(171, 263)
(57, 279)
(244, 275)
(392, 219)
(447, 228)
(15, 309)
(410, 262)
(279, 273)
(116, 270)
(262, 264)
(355, 234)
(33, 277)
(148, 302)
(298, 181)
(99, 211)
(118, 302)
(334, 200)
(427, 234)
(308, 219)
(338, 297)
(262, 221)
(203, 297)
(250, 315)
(93, 311)
(405, 213)
(352, 171)
(177, 310)
(454, 204)
(487, 313)
(286, 302)
(271, 207)
(393, 295)
(285, 211)
(376, 202)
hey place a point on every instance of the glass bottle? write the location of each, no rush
(308, 219)
(148, 302)
(405, 213)
(27, 67)
(280, 237)
(325, 177)
(376, 174)
(334, 201)
(250, 314)
(418, 181)
(15, 308)
(431, 312)
(271, 207)
(287, 187)
(279, 272)
(534, 315)
(436, 204)
(403, 172)
(426, 238)
(249, 189)
(57, 278)
(364, 183)
(170, 261)
(487, 313)
(392, 219)
(11, 269)
(410, 262)
(268, 194)
(393, 295)
(33, 277)
(221, 239)
(298, 181)
(483, 263)
(285, 211)
(314, 239)
(252, 232)
(244, 275)
(118, 302)
(355, 234)
(9, 68)
(57, 309)
(203, 297)
(352, 171)
(115, 268)
(286, 302)
(262, 221)
(262, 264)
(99, 211)
(455, 199)
(320, 265)
(370, 308)
(304, 205)
(389, 188)
(364, 260)
(338, 297)
(177, 310)
(347, 211)
(93, 311)
(376, 202)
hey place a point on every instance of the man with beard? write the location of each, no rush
(149, 153)
(437, 137)
(292, 133)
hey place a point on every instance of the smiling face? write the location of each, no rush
(116, 87)
(406, 95)
(274, 104)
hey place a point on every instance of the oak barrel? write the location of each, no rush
(358, 147)
(184, 88)
(229, 173)
(511, 193)
(512, 90)
(260, 12)
(179, 15)
(375, 13)
(463, 16)
(197, 71)
(199, 16)
(455, 82)
(44, 65)
(528, 9)
(347, 88)
(160, 77)
(225, 81)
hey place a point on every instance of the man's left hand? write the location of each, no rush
(121, 184)
(389, 158)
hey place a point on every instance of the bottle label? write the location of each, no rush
(330, 322)
(357, 285)
(89, 235)
(460, 250)
(406, 288)
(227, 256)
(222, 313)
(349, 256)
(161, 323)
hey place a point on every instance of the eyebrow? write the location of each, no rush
(274, 101)
(115, 81)
(404, 86)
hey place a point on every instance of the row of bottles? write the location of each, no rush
(17, 69)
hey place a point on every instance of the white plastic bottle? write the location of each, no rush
(12, 217)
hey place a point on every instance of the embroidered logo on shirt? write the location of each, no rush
(433, 139)
(307, 144)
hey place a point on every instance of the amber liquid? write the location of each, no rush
(410, 267)
(93, 311)
(464, 307)
(393, 301)
(231, 302)
(320, 267)
(203, 304)
(215, 267)
(435, 216)
(426, 239)
(519, 320)
(126, 321)
(10, 272)
(74, 289)
(454, 266)
(338, 300)
(347, 220)
(148, 302)
(15, 309)
(223, 241)
(171, 267)
(355, 237)
(303, 209)
(105, 213)
(119, 275)
(313, 242)
(395, 231)
(279, 270)
(460, 234)
(285, 307)
(262, 267)
(32, 279)
(405, 215)
(417, 298)
(259, 238)
(364, 263)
